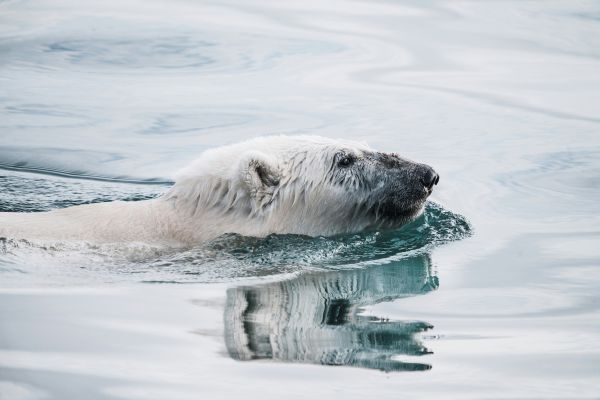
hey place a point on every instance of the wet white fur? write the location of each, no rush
(223, 191)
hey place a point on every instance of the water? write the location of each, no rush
(493, 293)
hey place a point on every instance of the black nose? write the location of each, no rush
(429, 177)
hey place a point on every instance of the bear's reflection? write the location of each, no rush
(314, 318)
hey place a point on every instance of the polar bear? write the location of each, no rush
(305, 185)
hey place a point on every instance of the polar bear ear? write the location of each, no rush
(260, 176)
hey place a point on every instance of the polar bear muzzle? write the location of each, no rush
(400, 189)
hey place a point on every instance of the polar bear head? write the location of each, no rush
(299, 185)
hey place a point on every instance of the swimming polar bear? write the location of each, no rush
(304, 185)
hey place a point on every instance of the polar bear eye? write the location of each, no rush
(346, 160)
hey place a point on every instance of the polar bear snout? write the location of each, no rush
(428, 177)
(416, 179)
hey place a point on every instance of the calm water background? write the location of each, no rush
(501, 97)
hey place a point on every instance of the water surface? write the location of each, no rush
(492, 293)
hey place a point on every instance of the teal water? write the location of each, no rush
(492, 293)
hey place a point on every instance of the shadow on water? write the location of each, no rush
(316, 318)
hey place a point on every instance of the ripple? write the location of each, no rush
(149, 52)
(34, 115)
(57, 163)
(25, 192)
(554, 183)
(197, 122)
